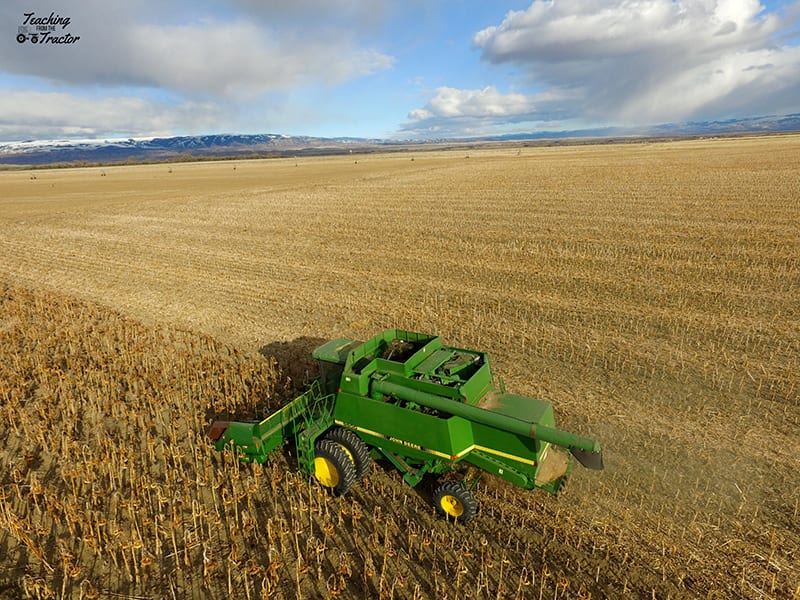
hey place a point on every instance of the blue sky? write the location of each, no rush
(391, 69)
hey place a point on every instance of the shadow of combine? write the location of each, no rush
(296, 366)
(294, 369)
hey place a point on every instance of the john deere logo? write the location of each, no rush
(50, 29)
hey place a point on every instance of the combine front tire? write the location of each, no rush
(356, 449)
(453, 499)
(333, 467)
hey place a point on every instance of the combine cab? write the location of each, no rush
(426, 408)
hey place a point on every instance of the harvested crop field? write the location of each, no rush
(651, 291)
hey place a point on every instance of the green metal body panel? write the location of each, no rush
(425, 407)
(412, 433)
(335, 351)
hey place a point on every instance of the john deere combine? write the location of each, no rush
(426, 408)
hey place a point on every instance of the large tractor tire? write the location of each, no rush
(453, 500)
(356, 449)
(333, 467)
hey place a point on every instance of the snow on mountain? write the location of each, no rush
(34, 152)
(28, 146)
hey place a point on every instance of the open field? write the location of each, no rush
(651, 291)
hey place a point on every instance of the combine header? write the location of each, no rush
(424, 407)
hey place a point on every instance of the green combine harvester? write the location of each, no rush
(426, 408)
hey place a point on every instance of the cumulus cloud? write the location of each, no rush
(450, 102)
(632, 62)
(550, 32)
(469, 112)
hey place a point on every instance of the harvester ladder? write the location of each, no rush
(314, 416)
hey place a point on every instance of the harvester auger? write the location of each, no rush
(424, 407)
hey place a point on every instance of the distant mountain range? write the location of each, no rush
(32, 153)
(172, 148)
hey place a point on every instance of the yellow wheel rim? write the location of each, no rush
(452, 506)
(349, 455)
(325, 472)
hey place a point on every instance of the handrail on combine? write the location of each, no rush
(254, 441)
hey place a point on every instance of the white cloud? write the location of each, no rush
(241, 59)
(470, 112)
(572, 30)
(451, 102)
(54, 115)
(629, 62)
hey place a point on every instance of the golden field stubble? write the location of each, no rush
(649, 290)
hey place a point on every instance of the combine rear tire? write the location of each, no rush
(333, 467)
(454, 500)
(356, 449)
